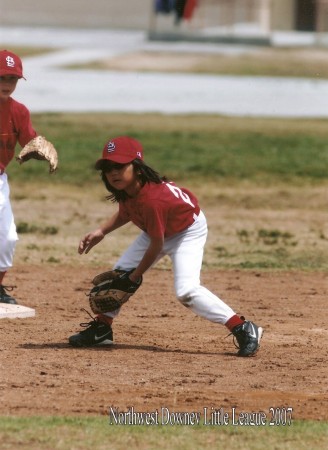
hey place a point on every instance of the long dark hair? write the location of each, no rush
(145, 173)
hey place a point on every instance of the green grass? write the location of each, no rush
(272, 62)
(63, 433)
(182, 147)
(264, 61)
(24, 52)
(24, 227)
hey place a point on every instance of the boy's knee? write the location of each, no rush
(185, 295)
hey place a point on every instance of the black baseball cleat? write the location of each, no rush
(248, 336)
(96, 333)
(5, 297)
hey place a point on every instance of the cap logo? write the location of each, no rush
(10, 61)
(139, 154)
(110, 147)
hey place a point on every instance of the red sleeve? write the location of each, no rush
(23, 124)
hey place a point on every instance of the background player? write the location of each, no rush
(15, 126)
(172, 224)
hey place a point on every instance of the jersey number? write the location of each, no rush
(179, 194)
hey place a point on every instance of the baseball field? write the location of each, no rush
(263, 186)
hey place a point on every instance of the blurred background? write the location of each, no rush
(165, 19)
(237, 88)
(81, 13)
(122, 48)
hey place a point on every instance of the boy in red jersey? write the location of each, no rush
(172, 224)
(15, 126)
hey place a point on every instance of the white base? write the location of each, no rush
(8, 311)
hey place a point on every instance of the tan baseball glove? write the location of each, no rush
(111, 290)
(39, 148)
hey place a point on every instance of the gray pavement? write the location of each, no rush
(52, 88)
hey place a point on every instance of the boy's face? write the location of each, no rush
(7, 86)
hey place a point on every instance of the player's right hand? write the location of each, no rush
(90, 240)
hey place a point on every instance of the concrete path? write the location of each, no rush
(51, 88)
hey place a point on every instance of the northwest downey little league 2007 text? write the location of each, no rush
(208, 416)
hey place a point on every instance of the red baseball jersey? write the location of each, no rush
(15, 125)
(161, 209)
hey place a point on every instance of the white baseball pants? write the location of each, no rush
(8, 234)
(186, 252)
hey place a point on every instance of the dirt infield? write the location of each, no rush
(164, 356)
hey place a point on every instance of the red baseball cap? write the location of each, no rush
(121, 150)
(10, 64)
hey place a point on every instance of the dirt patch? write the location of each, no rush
(164, 356)
(252, 61)
(293, 221)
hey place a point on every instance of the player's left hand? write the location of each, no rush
(124, 283)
